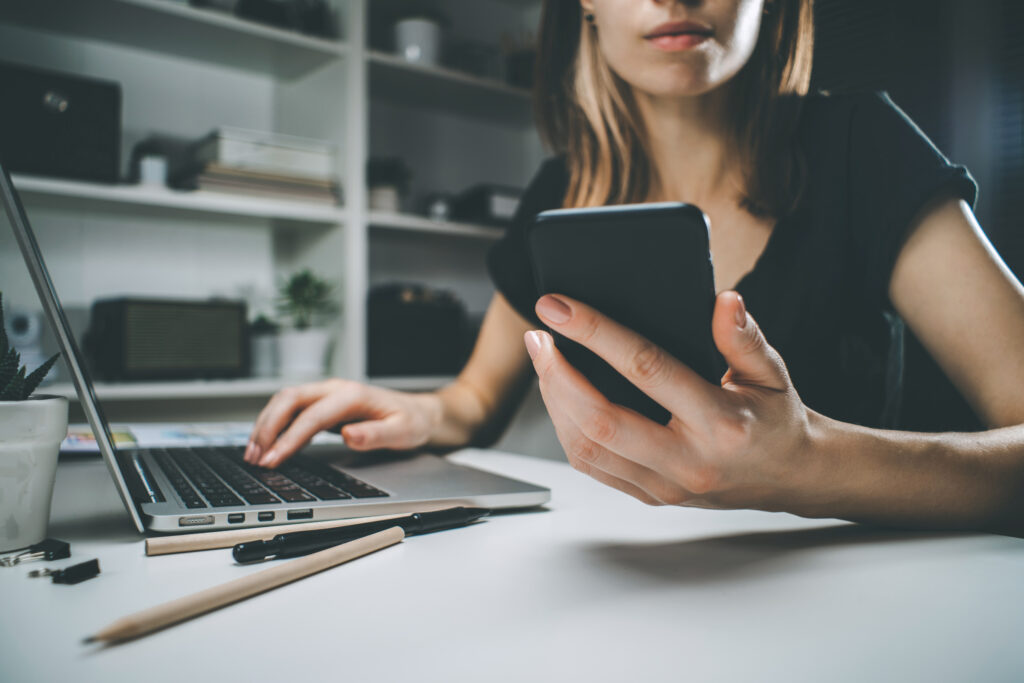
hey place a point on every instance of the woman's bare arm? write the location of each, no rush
(480, 401)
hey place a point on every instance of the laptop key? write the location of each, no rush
(295, 495)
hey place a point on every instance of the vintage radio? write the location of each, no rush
(140, 339)
(55, 124)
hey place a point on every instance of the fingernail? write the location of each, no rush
(268, 459)
(256, 451)
(248, 451)
(354, 438)
(532, 340)
(554, 309)
(741, 313)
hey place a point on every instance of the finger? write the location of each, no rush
(392, 432)
(751, 360)
(568, 437)
(600, 435)
(276, 415)
(651, 369)
(342, 402)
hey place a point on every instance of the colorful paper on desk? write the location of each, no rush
(169, 435)
(80, 439)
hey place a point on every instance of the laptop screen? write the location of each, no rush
(17, 239)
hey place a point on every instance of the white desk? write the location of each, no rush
(597, 588)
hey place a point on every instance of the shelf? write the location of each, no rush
(228, 388)
(394, 79)
(193, 201)
(404, 221)
(424, 383)
(143, 391)
(177, 29)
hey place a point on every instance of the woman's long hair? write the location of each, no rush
(587, 112)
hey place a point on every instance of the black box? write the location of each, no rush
(414, 330)
(140, 339)
(487, 203)
(55, 124)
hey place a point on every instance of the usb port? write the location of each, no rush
(265, 516)
(301, 514)
(236, 517)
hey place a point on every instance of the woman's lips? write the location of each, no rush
(678, 35)
(678, 41)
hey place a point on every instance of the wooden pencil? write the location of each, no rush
(175, 611)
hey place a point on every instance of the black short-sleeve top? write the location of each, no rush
(819, 290)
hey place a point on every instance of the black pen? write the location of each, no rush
(299, 543)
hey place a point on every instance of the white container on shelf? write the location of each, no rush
(302, 354)
(30, 436)
(263, 355)
(418, 39)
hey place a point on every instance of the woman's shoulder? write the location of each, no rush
(862, 119)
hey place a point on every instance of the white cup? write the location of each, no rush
(30, 436)
(418, 39)
(153, 170)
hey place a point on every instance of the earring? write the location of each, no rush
(589, 17)
(769, 7)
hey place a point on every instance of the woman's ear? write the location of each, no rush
(587, 6)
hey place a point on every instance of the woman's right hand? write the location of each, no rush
(372, 418)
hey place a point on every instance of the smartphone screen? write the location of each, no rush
(646, 266)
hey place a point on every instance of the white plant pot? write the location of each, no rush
(30, 436)
(418, 39)
(302, 354)
(263, 355)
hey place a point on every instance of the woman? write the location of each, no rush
(834, 221)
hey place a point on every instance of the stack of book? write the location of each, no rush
(250, 162)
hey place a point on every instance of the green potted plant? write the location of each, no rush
(306, 300)
(31, 429)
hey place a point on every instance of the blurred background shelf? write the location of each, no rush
(177, 29)
(199, 200)
(260, 387)
(142, 391)
(394, 79)
(405, 221)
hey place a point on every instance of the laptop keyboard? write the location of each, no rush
(218, 477)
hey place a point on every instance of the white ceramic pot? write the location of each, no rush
(303, 353)
(384, 198)
(418, 39)
(30, 436)
(263, 355)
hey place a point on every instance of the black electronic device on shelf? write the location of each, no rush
(56, 124)
(487, 203)
(167, 339)
(413, 330)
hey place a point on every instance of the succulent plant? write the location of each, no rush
(303, 296)
(16, 383)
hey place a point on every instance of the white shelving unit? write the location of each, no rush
(77, 192)
(185, 70)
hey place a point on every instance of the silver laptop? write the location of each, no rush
(207, 488)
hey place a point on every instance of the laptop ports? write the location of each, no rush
(301, 514)
(236, 517)
(265, 516)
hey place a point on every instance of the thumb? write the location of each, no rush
(740, 341)
(391, 432)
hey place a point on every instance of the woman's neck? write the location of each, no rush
(693, 157)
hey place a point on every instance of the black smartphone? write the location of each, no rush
(646, 266)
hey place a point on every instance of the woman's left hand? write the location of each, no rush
(744, 444)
